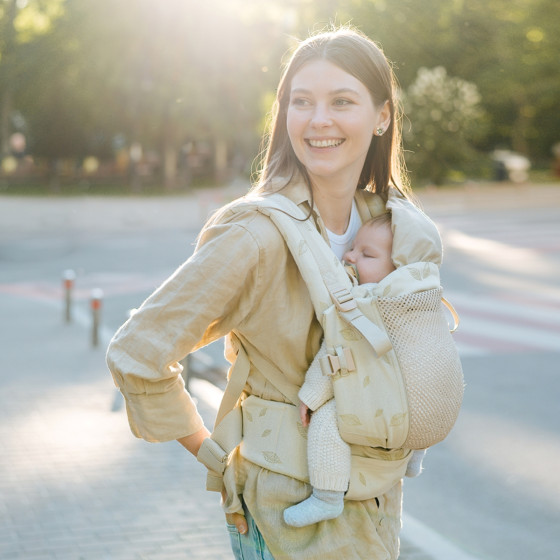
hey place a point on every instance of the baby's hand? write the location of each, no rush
(304, 414)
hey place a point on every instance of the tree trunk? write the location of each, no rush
(7, 45)
(170, 166)
(5, 127)
(169, 150)
(220, 160)
(54, 175)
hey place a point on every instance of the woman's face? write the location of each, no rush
(330, 120)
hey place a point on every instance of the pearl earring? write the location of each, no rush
(379, 131)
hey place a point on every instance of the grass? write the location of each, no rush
(112, 187)
(119, 187)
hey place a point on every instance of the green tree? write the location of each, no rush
(165, 73)
(508, 48)
(161, 74)
(444, 114)
(21, 23)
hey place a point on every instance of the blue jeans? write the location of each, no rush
(251, 545)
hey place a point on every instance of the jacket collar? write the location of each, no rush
(297, 191)
(368, 204)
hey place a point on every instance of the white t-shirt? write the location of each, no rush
(342, 243)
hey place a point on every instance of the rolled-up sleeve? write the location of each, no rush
(211, 293)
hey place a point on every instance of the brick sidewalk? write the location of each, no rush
(74, 483)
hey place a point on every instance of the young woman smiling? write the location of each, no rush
(331, 131)
(333, 149)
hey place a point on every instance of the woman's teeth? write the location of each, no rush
(324, 143)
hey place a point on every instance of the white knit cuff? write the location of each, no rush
(317, 388)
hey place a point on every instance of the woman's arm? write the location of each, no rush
(205, 298)
(193, 442)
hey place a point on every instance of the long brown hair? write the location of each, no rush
(359, 56)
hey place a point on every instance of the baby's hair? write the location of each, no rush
(381, 220)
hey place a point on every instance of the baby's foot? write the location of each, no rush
(315, 509)
(414, 467)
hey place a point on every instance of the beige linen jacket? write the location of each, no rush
(242, 278)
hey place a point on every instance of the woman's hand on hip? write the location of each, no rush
(236, 519)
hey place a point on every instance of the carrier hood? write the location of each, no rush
(415, 237)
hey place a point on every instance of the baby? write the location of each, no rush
(328, 454)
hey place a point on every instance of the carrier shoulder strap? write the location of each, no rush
(315, 261)
(323, 273)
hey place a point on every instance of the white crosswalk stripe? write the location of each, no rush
(513, 267)
(540, 236)
(494, 323)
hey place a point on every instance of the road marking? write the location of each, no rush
(496, 323)
(491, 323)
(430, 541)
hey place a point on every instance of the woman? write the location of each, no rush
(334, 149)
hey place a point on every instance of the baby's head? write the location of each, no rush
(371, 250)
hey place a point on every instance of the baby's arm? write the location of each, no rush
(317, 388)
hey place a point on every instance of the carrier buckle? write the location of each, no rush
(343, 300)
(342, 362)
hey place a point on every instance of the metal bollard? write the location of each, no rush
(95, 303)
(68, 278)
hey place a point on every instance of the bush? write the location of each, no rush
(445, 118)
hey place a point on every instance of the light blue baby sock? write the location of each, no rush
(414, 467)
(320, 506)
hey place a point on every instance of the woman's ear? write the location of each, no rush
(384, 119)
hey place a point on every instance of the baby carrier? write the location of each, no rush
(396, 374)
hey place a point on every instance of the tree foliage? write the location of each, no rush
(86, 77)
(445, 119)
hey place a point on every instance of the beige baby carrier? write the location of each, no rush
(396, 374)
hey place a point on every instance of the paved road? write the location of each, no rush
(75, 484)
(492, 486)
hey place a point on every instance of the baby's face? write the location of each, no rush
(371, 252)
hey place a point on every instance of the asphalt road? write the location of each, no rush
(492, 487)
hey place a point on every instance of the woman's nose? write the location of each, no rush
(321, 117)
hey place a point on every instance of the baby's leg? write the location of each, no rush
(329, 470)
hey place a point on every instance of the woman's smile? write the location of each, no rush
(324, 143)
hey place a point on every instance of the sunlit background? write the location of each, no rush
(170, 97)
(166, 94)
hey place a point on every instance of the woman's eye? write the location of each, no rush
(300, 101)
(342, 102)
